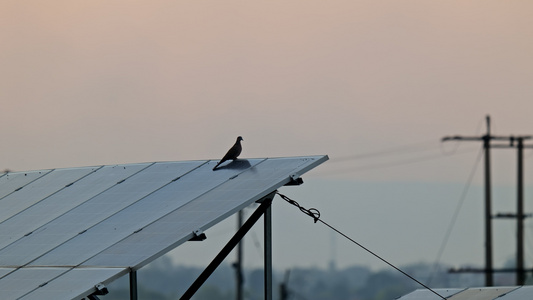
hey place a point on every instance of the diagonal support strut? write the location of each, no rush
(265, 204)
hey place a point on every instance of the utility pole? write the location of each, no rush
(488, 209)
(489, 270)
(488, 224)
(520, 216)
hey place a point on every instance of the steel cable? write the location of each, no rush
(315, 214)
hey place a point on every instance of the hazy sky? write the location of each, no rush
(105, 82)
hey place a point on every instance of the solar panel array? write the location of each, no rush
(63, 231)
(484, 293)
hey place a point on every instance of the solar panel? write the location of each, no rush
(424, 294)
(63, 231)
(524, 292)
(483, 293)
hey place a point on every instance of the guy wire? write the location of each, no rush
(315, 214)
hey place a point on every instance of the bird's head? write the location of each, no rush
(240, 139)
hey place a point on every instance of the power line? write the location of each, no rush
(455, 215)
(390, 164)
(409, 148)
(315, 214)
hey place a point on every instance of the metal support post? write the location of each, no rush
(520, 274)
(238, 264)
(265, 204)
(268, 253)
(133, 285)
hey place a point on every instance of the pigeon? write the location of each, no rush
(233, 152)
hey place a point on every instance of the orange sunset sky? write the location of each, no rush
(107, 82)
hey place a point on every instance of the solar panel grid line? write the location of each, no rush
(424, 294)
(92, 170)
(77, 283)
(21, 281)
(63, 256)
(16, 229)
(84, 230)
(178, 226)
(12, 179)
(87, 232)
(64, 270)
(86, 248)
(523, 292)
(115, 184)
(24, 250)
(12, 182)
(134, 218)
(36, 190)
(475, 293)
(4, 271)
(9, 231)
(483, 293)
(47, 282)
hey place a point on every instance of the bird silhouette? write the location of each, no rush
(232, 153)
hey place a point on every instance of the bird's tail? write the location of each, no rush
(216, 166)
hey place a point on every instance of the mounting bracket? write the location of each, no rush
(199, 235)
(295, 179)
